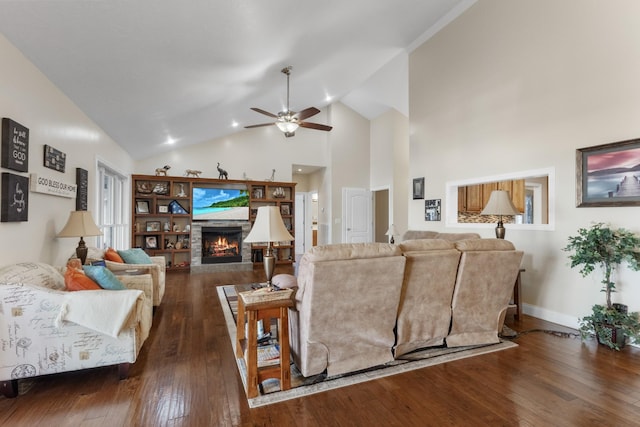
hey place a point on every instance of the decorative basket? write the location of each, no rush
(265, 296)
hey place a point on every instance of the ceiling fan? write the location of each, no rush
(288, 121)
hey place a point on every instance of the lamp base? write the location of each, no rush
(81, 251)
(269, 262)
(500, 231)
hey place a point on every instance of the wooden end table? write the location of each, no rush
(254, 306)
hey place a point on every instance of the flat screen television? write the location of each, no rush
(216, 203)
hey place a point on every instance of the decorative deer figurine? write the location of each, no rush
(222, 174)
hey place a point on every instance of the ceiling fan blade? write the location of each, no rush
(316, 126)
(260, 125)
(307, 112)
(266, 113)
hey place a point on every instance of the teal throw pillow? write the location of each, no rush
(135, 256)
(103, 277)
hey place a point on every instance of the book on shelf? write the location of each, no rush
(268, 355)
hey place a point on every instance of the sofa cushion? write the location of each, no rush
(135, 256)
(112, 255)
(76, 280)
(344, 251)
(33, 272)
(103, 277)
(419, 234)
(454, 237)
(484, 245)
(425, 245)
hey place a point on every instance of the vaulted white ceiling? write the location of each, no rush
(147, 71)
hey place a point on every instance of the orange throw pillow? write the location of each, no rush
(112, 255)
(76, 280)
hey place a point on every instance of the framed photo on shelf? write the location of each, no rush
(142, 207)
(153, 225)
(284, 210)
(163, 209)
(606, 174)
(151, 242)
(418, 188)
(257, 193)
(432, 209)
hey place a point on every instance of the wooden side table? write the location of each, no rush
(254, 306)
(517, 297)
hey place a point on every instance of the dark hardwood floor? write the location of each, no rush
(186, 376)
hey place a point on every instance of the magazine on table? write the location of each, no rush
(268, 355)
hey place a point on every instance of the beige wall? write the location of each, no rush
(29, 98)
(390, 163)
(511, 86)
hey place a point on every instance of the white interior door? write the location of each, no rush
(357, 215)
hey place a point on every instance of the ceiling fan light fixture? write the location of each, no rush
(287, 127)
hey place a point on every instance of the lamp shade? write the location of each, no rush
(499, 204)
(268, 227)
(80, 224)
(392, 231)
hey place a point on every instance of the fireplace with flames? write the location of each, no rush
(221, 244)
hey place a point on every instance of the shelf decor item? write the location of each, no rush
(176, 208)
(153, 225)
(279, 193)
(142, 207)
(151, 242)
(268, 228)
(80, 224)
(603, 247)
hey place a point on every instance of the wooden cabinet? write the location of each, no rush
(281, 194)
(162, 208)
(517, 194)
(473, 198)
(161, 218)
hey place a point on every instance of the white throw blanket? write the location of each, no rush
(103, 311)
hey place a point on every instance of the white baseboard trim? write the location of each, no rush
(555, 317)
(550, 316)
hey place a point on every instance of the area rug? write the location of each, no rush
(301, 386)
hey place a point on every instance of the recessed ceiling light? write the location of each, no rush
(299, 169)
(170, 141)
(235, 124)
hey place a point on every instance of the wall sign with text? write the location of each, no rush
(82, 181)
(14, 205)
(15, 146)
(54, 159)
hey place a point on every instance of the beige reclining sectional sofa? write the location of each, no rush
(361, 305)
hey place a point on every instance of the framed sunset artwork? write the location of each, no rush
(608, 174)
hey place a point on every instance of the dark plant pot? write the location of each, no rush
(620, 308)
(609, 333)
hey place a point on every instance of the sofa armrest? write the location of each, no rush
(156, 270)
(141, 282)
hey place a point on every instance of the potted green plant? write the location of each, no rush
(603, 247)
